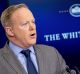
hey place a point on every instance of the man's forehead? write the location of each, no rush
(20, 10)
(22, 15)
(23, 12)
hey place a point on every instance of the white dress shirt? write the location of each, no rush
(17, 51)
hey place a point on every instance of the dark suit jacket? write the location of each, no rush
(48, 58)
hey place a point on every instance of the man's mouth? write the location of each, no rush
(33, 35)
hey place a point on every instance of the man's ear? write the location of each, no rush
(9, 31)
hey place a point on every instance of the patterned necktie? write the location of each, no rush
(30, 66)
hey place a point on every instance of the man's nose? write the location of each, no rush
(32, 26)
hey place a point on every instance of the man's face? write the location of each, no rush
(24, 29)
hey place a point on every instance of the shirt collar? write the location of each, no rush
(16, 49)
(32, 49)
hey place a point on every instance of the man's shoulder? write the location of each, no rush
(44, 47)
(3, 49)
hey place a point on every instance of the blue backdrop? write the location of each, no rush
(58, 25)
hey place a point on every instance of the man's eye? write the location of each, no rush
(25, 23)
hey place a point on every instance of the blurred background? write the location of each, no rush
(58, 25)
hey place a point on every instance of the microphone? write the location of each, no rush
(73, 72)
(77, 70)
(70, 71)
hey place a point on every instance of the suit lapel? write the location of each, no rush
(42, 64)
(12, 61)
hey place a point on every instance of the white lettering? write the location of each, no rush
(68, 35)
(65, 35)
(52, 37)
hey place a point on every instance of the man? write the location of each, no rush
(19, 25)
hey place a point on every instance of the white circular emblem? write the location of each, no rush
(75, 10)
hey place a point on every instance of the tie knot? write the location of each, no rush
(26, 52)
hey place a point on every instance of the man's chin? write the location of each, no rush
(33, 42)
